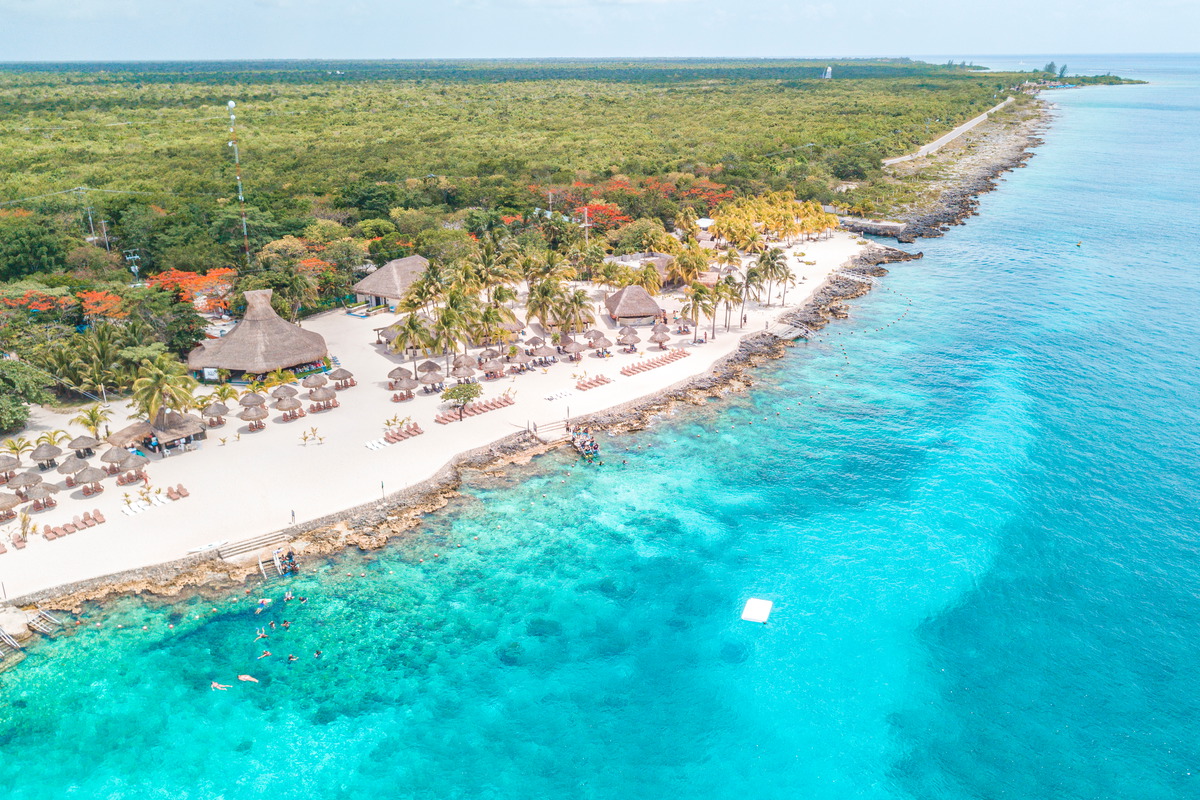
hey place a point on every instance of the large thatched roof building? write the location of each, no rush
(632, 305)
(262, 342)
(391, 281)
(165, 428)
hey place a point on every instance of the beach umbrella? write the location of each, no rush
(81, 443)
(45, 452)
(44, 490)
(661, 327)
(289, 403)
(23, 480)
(9, 501)
(118, 454)
(133, 461)
(594, 334)
(600, 342)
(71, 465)
(251, 414)
(314, 381)
(661, 339)
(489, 353)
(629, 340)
(429, 366)
(287, 390)
(628, 330)
(8, 463)
(408, 384)
(251, 400)
(322, 394)
(91, 475)
(432, 377)
(574, 347)
(534, 341)
(492, 365)
(341, 374)
(462, 371)
(399, 372)
(521, 358)
(515, 326)
(464, 360)
(211, 410)
(544, 350)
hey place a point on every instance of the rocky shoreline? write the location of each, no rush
(980, 158)
(372, 526)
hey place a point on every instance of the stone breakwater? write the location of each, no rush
(372, 526)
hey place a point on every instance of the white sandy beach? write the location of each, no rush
(243, 485)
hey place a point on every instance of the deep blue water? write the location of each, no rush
(975, 505)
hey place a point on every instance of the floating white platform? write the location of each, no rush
(757, 610)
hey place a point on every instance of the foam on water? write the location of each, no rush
(978, 528)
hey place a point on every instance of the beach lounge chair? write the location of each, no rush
(3, 549)
(61, 531)
(78, 523)
(172, 494)
(182, 491)
(87, 519)
(68, 528)
(18, 541)
(96, 515)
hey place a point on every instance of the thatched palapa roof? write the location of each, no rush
(168, 426)
(392, 280)
(631, 303)
(261, 342)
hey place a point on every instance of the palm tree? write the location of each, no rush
(17, 446)
(279, 377)
(544, 298)
(92, 419)
(699, 303)
(750, 284)
(773, 266)
(54, 437)
(648, 278)
(576, 306)
(224, 393)
(411, 334)
(728, 293)
(688, 265)
(453, 321)
(685, 222)
(162, 384)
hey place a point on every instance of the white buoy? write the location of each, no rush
(757, 610)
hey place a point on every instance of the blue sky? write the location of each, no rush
(52, 30)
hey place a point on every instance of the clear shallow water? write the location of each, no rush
(974, 504)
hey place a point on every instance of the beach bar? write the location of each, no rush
(632, 305)
(386, 285)
(262, 342)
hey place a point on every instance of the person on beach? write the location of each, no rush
(220, 686)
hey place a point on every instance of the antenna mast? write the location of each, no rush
(237, 162)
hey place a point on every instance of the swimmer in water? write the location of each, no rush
(286, 624)
(219, 686)
(292, 657)
(262, 634)
(317, 654)
(265, 653)
(248, 678)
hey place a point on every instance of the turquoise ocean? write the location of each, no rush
(975, 505)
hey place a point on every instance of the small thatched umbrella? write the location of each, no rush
(23, 480)
(534, 341)
(399, 373)
(133, 461)
(254, 414)
(212, 410)
(83, 445)
(513, 326)
(462, 371)
(314, 381)
(432, 377)
(594, 334)
(628, 330)
(407, 384)
(322, 394)
(44, 490)
(9, 501)
(45, 453)
(661, 340)
(289, 403)
(661, 327)
(464, 360)
(341, 374)
(429, 366)
(492, 365)
(118, 454)
(520, 358)
(287, 390)
(574, 347)
(71, 465)
(251, 400)
(628, 341)
(544, 350)
(601, 342)
(92, 475)
(8, 463)
(489, 353)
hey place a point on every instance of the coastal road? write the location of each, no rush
(942, 141)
